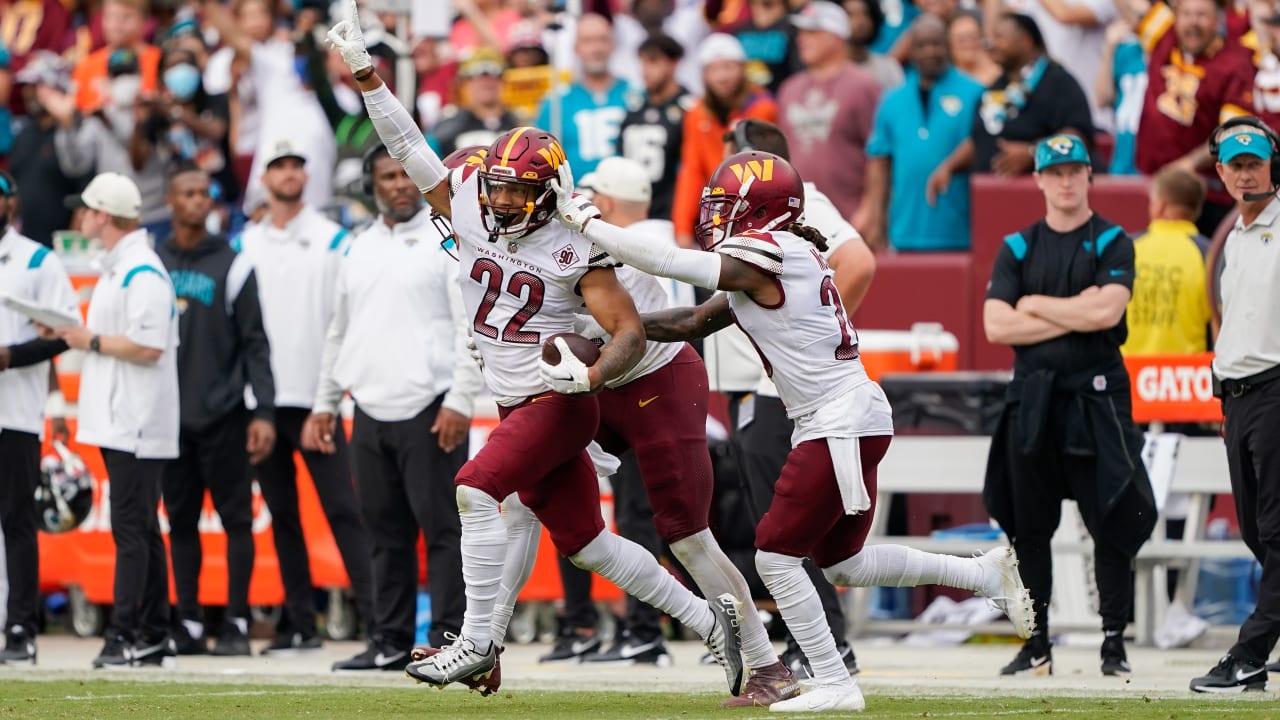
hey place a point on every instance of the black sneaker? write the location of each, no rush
(185, 644)
(157, 652)
(116, 653)
(1115, 663)
(631, 650)
(793, 657)
(1273, 667)
(378, 656)
(1231, 675)
(289, 644)
(571, 646)
(19, 647)
(1033, 659)
(232, 642)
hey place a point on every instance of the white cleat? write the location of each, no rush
(459, 661)
(724, 643)
(833, 697)
(1013, 598)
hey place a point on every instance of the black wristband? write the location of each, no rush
(95, 343)
(362, 75)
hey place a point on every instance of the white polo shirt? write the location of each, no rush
(28, 271)
(297, 271)
(399, 330)
(1249, 342)
(129, 406)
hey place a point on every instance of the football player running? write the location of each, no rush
(780, 291)
(522, 276)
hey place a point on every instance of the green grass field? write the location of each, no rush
(109, 699)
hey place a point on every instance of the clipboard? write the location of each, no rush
(45, 316)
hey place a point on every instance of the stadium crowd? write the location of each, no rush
(256, 168)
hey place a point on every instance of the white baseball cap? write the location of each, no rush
(622, 179)
(720, 46)
(823, 15)
(283, 149)
(111, 193)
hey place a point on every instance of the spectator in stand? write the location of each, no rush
(651, 133)
(828, 109)
(729, 97)
(947, 10)
(898, 16)
(482, 23)
(480, 115)
(6, 98)
(1036, 97)
(865, 20)
(1121, 87)
(1266, 83)
(685, 24)
(591, 109)
(34, 160)
(969, 49)
(528, 75)
(29, 27)
(224, 74)
(122, 29)
(1169, 313)
(100, 140)
(1181, 108)
(917, 126)
(769, 40)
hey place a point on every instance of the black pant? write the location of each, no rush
(278, 479)
(212, 459)
(19, 475)
(1041, 481)
(141, 610)
(634, 518)
(1253, 457)
(762, 448)
(406, 484)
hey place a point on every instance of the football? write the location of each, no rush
(582, 348)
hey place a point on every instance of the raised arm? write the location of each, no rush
(396, 127)
(688, 323)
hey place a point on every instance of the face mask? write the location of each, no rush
(183, 81)
(124, 90)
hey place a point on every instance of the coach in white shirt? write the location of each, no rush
(29, 271)
(129, 409)
(398, 344)
(295, 252)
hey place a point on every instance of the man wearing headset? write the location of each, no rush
(1057, 295)
(397, 342)
(1246, 368)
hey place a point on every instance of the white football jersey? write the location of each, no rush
(518, 293)
(808, 347)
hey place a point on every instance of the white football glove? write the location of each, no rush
(569, 376)
(573, 210)
(475, 352)
(347, 38)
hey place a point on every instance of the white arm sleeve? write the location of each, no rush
(656, 256)
(404, 139)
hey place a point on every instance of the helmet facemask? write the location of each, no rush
(448, 242)
(513, 207)
(719, 212)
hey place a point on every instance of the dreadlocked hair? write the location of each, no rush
(811, 234)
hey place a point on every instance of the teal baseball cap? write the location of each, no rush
(1245, 140)
(1061, 150)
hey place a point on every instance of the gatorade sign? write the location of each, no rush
(1173, 388)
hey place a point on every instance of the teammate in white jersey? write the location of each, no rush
(780, 291)
(522, 277)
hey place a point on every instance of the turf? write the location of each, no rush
(110, 699)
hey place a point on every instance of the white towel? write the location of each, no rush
(846, 456)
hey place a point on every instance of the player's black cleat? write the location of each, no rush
(1115, 663)
(631, 650)
(1035, 658)
(1231, 675)
(571, 646)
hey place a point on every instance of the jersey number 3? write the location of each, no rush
(489, 273)
(847, 350)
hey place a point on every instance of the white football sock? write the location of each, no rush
(484, 547)
(800, 607)
(901, 566)
(716, 575)
(635, 570)
(523, 530)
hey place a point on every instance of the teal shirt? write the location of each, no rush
(1129, 76)
(916, 142)
(589, 124)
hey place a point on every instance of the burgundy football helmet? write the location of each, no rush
(515, 192)
(470, 157)
(750, 190)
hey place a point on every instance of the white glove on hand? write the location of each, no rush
(569, 376)
(573, 210)
(347, 38)
(475, 352)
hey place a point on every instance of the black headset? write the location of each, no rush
(740, 140)
(1215, 141)
(366, 166)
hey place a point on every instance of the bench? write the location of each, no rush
(920, 464)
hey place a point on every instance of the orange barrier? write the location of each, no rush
(1173, 388)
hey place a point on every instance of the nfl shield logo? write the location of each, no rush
(566, 257)
(1099, 382)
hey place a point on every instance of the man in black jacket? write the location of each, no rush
(222, 345)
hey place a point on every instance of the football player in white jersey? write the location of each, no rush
(522, 276)
(779, 290)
